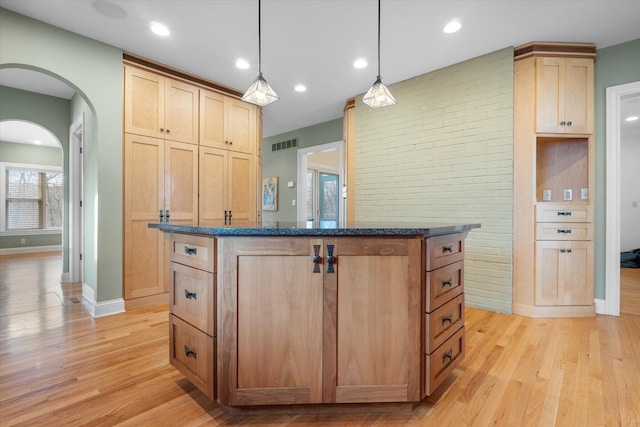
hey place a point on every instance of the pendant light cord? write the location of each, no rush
(378, 39)
(260, 42)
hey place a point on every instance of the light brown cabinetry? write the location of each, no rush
(160, 184)
(309, 320)
(227, 123)
(553, 212)
(192, 318)
(564, 95)
(160, 107)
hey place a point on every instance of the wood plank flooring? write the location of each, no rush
(59, 366)
(630, 291)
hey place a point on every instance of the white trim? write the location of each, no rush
(302, 177)
(76, 197)
(32, 232)
(30, 249)
(600, 306)
(103, 308)
(612, 227)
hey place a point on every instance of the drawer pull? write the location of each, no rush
(447, 357)
(448, 282)
(190, 295)
(190, 353)
(564, 231)
(564, 213)
(565, 250)
(331, 260)
(447, 248)
(190, 251)
(317, 259)
(447, 318)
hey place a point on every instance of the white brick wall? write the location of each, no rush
(444, 153)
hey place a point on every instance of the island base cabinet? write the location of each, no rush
(444, 360)
(193, 353)
(308, 320)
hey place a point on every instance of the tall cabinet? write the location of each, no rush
(189, 158)
(553, 180)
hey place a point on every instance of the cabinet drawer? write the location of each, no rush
(443, 322)
(548, 212)
(564, 231)
(193, 353)
(444, 284)
(192, 296)
(444, 250)
(194, 251)
(443, 360)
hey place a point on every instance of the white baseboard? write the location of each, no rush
(102, 308)
(600, 306)
(30, 249)
(65, 277)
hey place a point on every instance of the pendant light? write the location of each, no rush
(260, 93)
(378, 95)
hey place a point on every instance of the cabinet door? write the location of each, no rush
(377, 288)
(564, 273)
(144, 254)
(143, 103)
(240, 126)
(550, 95)
(181, 111)
(212, 121)
(241, 186)
(579, 95)
(213, 186)
(271, 310)
(181, 182)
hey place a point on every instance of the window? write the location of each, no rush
(33, 197)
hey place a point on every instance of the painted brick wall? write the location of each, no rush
(444, 153)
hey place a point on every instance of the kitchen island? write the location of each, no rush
(281, 314)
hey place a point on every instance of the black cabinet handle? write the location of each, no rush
(190, 295)
(447, 248)
(562, 123)
(168, 131)
(447, 357)
(225, 217)
(331, 260)
(447, 318)
(317, 259)
(448, 282)
(564, 231)
(569, 123)
(161, 216)
(167, 216)
(565, 213)
(190, 251)
(190, 353)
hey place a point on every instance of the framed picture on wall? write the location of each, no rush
(270, 193)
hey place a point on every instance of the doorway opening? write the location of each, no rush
(321, 202)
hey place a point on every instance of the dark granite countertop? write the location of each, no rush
(300, 229)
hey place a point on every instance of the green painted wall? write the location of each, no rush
(94, 69)
(615, 65)
(51, 113)
(284, 163)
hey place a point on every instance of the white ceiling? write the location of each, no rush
(315, 42)
(26, 133)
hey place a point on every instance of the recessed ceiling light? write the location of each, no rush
(452, 27)
(631, 119)
(242, 64)
(159, 29)
(360, 63)
(300, 88)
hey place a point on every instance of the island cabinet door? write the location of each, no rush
(373, 315)
(271, 305)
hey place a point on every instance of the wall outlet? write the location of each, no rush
(584, 194)
(23, 241)
(568, 194)
(546, 195)
(293, 202)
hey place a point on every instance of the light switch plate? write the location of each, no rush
(584, 194)
(568, 194)
(546, 195)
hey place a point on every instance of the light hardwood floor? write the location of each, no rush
(59, 366)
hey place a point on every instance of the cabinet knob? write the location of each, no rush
(190, 295)
(448, 282)
(447, 357)
(562, 123)
(447, 318)
(161, 129)
(168, 130)
(569, 123)
(230, 142)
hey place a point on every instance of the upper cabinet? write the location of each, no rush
(160, 107)
(227, 123)
(564, 95)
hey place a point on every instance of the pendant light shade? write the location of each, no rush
(260, 93)
(378, 95)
